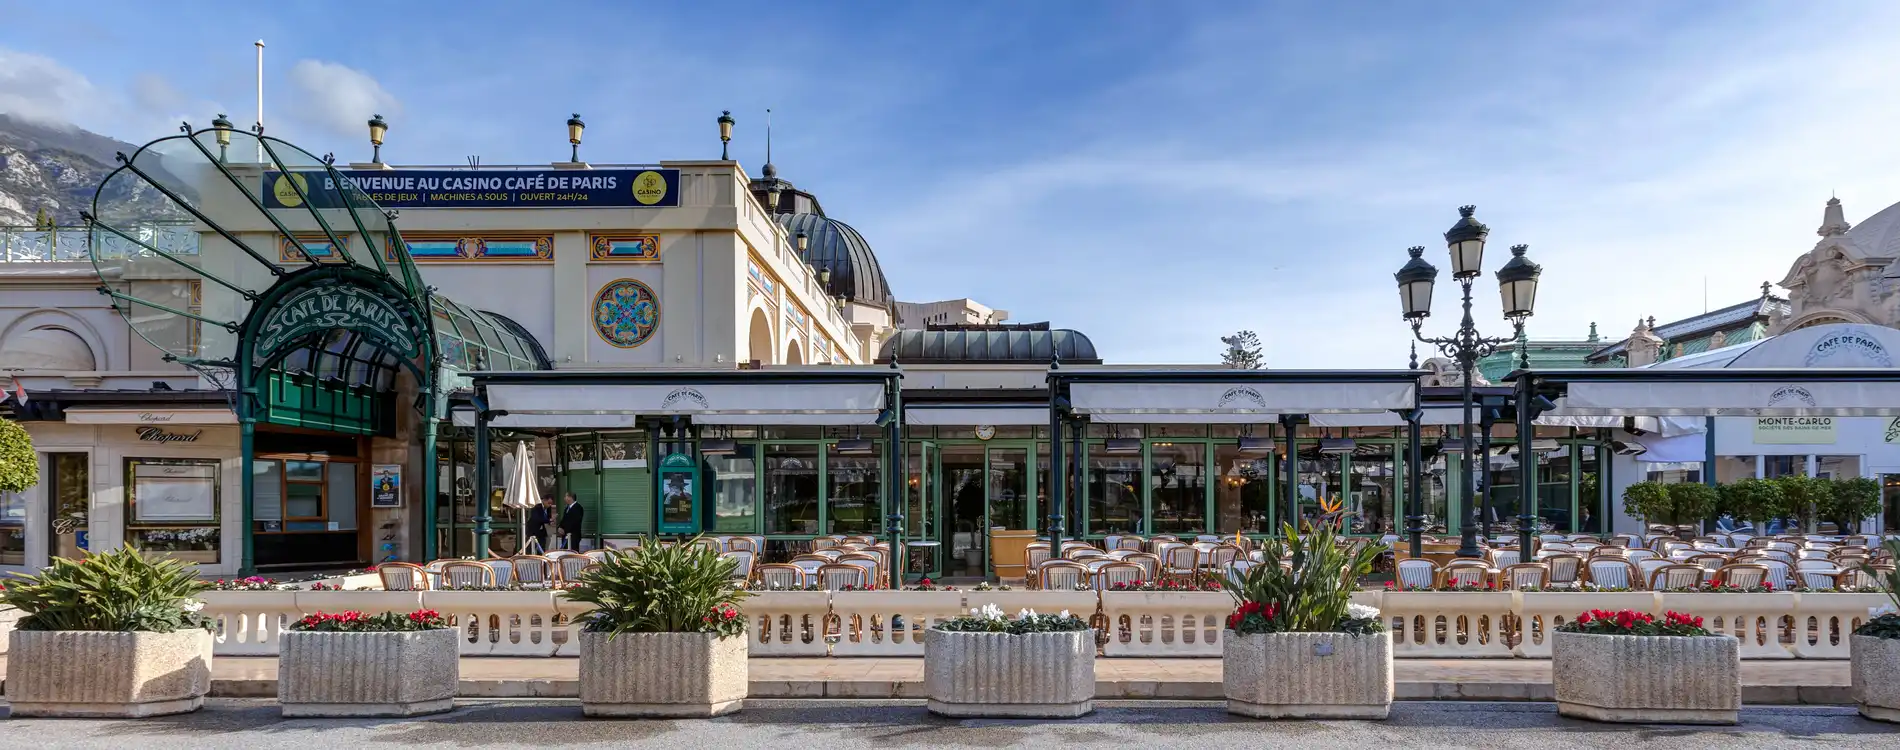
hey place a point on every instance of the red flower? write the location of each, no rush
(1586, 617)
(1770, 585)
(1625, 619)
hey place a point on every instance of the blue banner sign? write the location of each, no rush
(480, 188)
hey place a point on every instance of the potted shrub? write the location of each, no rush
(1630, 667)
(1673, 505)
(352, 664)
(1850, 501)
(987, 664)
(1875, 654)
(665, 637)
(1296, 646)
(1802, 499)
(1756, 501)
(114, 634)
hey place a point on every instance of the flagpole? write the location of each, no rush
(260, 99)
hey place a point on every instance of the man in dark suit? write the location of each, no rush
(571, 523)
(539, 518)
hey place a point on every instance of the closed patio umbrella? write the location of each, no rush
(523, 488)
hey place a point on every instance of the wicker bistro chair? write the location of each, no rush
(1082, 553)
(1417, 573)
(873, 568)
(1741, 575)
(1033, 558)
(1180, 562)
(1566, 571)
(467, 573)
(1709, 563)
(402, 576)
(1504, 558)
(1149, 562)
(1113, 573)
(504, 570)
(600, 555)
(1122, 541)
(1220, 557)
(743, 571)
(1062, 575)
(823, 542)
(572, 566)
(1464, 575)
(1614, 574)
(1857, 577)
(1525, 576)
(864, 539)
(836, 576)
(780, 576)
(742, 544)
(1780, 573)
(533, 570)
(1675, 578)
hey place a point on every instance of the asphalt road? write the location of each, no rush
(798, 725)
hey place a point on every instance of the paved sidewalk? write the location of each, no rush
(1763, 682)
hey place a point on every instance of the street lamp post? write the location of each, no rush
(1517, 287)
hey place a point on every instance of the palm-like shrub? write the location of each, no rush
(1315, 596)
(682, 588)
(120, 591)
(1887, 624)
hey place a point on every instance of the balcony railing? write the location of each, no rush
(69, 244)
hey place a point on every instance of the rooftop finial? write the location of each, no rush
(1413, 365)
(770, 171)
(1593, 332)
(1833, 220)
(1764, 289)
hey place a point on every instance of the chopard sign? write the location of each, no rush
(161, 435)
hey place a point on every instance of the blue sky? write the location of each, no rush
(1153, 174)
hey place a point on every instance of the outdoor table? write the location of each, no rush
(1121, 554)
(1096, 563)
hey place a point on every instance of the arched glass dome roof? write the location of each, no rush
(1002, 344)
(834, 245)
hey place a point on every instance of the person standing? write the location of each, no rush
(571, 523)
(540, 517)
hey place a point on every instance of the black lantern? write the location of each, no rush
(1415, 284)
(725, 133)
(574, 130)
(377, 128)
(1465, 239)
(1517, 284)
(221, 128)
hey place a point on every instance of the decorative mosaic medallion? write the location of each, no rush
(626, 313)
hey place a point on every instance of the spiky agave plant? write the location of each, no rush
(121, 591)
(653, 588)
(1312, 595)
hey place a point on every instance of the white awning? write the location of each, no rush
(764, 403)
(1680, 449)
(1237, 402)
(1667, 396)
(89, 415)
(466, 418)
(1000, 415)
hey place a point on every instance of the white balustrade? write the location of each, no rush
(1824, 623)
(1440, 625)
(1759, 620)
(1165, 623)
(787, 623)
(889, 623)
(247, 623)
(499, 623)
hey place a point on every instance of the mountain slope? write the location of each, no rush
(60, 168)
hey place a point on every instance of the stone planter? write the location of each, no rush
(662, 675)
(112, 675)
(368, 674)
(1308, 675)
(1876, 668)
(997, 675)
(1635, 679)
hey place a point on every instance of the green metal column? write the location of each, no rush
(893, 491)
(1526, 464)
(247, 448)
(431, 467)
(482, 489)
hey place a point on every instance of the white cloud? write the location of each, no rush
(39, 89)
(338, 98)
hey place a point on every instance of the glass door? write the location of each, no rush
(921, 508)
(1244, 491)
(962, 496)
(1009, 488)
(1177, 487)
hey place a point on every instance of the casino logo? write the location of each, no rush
(649, 188)
(1791, 395)
(1244, 396)
(679, 395)
(286, 187)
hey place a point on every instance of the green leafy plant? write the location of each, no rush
(120, 591)
(680, 588)
(1802, 498)
(1756, 501)
(1669, 504)
(1852, 499)
(990, 618)
(19, 465)
(1314, 596)
(1631, 622)
(1886, 624)
(384, 622)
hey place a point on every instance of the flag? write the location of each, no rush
(19, 393)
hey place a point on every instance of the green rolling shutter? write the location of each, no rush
(628, 508)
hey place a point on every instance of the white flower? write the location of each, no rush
(989, 612)
(1362, 612)
(194, 605)
(1065, 614)
(1025, 614)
